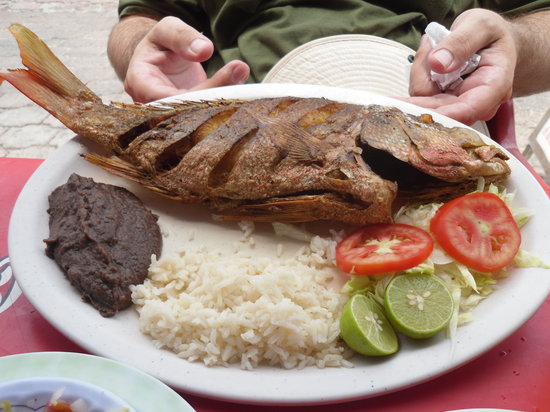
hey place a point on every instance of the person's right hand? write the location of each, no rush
(167, 61)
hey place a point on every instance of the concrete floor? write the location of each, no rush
(77, 32)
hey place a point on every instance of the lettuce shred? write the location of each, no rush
(525, 259)
(468, 287)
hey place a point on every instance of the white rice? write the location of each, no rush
(251, 311)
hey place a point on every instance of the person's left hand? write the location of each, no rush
(479, 96)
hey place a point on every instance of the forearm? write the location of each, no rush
(125, 36)
(531, 33)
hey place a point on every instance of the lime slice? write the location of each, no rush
(418, 305)
(365, 328)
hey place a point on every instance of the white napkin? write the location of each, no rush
(449, 81)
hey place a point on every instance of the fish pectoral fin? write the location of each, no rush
(300, 145)
(126, 170)
(304, 147)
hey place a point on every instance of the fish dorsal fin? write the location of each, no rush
(300, 145)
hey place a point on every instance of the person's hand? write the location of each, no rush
(479, 96)
(167, 61)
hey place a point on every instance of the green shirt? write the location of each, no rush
(260, 32)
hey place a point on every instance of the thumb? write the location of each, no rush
(470, 33)
(173, 34)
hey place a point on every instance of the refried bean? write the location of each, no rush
(102, 237)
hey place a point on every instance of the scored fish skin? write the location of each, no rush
(256, 154)
(273, 159)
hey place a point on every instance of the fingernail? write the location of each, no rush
(198, 45)
(444, 57)
(239, 74)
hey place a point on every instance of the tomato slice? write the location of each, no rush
(59, 407)
(383, 248)
(478, 230)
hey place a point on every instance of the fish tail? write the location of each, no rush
(50, 84)
(46, 80)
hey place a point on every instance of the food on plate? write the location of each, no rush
(365, 328)
(103, 238)
(221, 308)
(441, 292)
(224, 308)
(32, 395)
(418, 305)
(286, 159)
(275, 159)
(57, 403)
(383, 248)
(478, 230)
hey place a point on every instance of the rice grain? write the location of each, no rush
(251, 311)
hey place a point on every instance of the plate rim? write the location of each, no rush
(264, 398)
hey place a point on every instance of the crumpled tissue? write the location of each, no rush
(449, 81)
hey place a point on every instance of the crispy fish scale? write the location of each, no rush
(251, 157)
(161, 149)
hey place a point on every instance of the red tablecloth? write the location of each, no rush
(513, 375)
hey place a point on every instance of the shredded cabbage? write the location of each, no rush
(525, 259)
(425, 268)
(468, 287)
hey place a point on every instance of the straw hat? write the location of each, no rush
(354, 61)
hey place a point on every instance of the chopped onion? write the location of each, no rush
(57, 394)
(79, 406)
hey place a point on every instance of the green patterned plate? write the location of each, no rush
(140, 390)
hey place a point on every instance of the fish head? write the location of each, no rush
(422, 155)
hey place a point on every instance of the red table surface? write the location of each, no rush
(515, 374)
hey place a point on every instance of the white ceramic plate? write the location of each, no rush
(137, 389)
(119, 338)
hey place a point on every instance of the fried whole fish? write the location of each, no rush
(274, 159)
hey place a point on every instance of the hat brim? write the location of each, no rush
(356, 61)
